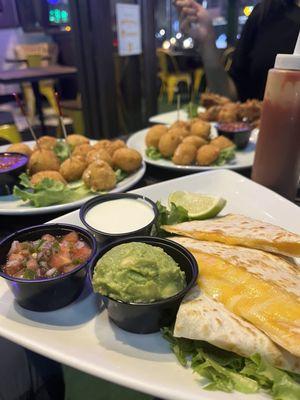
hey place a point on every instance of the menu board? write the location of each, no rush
(129, 29)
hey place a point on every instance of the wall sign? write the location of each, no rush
(129, 29)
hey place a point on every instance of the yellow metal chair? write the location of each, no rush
(226, 58)
(73, 110)
(10, 133)
(198, 76)
(170, 80)
(38, 55)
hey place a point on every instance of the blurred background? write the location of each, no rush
(109, 89)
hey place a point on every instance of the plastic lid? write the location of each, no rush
(289, 61)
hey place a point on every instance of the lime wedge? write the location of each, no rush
(198, 206)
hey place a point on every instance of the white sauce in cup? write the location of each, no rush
(120, 216)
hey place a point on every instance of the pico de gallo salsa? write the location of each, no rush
(46, 257)
(9, 161)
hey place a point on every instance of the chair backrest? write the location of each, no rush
(48, 52)
(167, 62)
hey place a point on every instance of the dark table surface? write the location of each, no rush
(36, 74)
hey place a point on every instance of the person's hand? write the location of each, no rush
(195, 21)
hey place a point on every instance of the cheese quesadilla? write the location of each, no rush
(200, 317)
(259, 287)
(234, 229)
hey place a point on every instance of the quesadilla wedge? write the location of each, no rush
(240, 230)
(200, 317)
(259, 287)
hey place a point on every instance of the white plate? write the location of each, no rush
(81, 335)
(171, 117)
(10, 205)
(243, 158)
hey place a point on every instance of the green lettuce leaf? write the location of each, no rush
(227, 371)
(225, 156)
(120, 175)
(192, 110)
(153, 153)
(49, 192)
(62, 150)
(175, 215)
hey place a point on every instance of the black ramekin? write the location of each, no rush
(240, 136)
(47, 294)
(150, 317)
(104, 237)
(10, 176)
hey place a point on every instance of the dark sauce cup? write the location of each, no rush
(47, 294)
(238, 132)
(9, 175)
(150, 317)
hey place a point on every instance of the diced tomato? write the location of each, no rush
(60, 260)
(71, 237)
(32, 264)
(48, 238)
(81, 252)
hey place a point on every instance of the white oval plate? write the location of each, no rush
(10, 205)
(243, 159)
(170, 117)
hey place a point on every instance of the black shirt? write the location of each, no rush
(258, 46)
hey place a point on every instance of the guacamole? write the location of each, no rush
(138, 273)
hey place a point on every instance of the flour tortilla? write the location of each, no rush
(202, 318)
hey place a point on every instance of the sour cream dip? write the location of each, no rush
(120, 216)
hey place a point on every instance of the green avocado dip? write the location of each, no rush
(138, 273)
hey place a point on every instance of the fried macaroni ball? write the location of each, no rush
(180, 132)
(99, 176)
(196, 141)
(207, 154)
(72, 168)
(180, 124)
(99, 154)
(82, 150)
(104, 144)
(76, 140)
(43, 160)
(201, 128)
(128, 160)
(46, 142)
(185, 154)
(40, 176)
(20, 148)
(154, 135)
(222, 142)
(167, 144)
(115, 145)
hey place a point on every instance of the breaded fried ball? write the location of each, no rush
(40, 176)
(103, 144)
(180, 132)
(82, 150)
(167, 144)
(222, 142)
(20, 148)
(128, 160)
(46, 142)
(185, 154)
(201, 128)
(196, 141)
(154, 134)
(181, 124)
(115, 145)
(72, 168)
(76, 140)
(43, 160)
(207, 154)
(99, 176)
(99, 154)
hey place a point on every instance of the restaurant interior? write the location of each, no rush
(187, 104)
